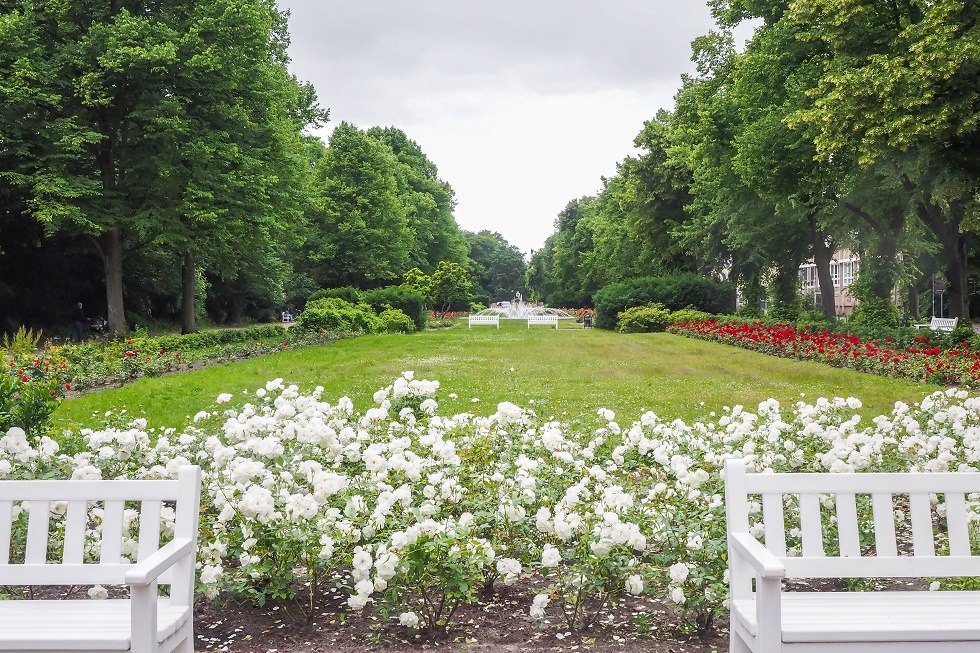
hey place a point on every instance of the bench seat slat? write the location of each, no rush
(847, 525)
(877, 566)
(78, 625)
(810, 525)
(884, 516)
(76, 519)
(149, 528)
(796, 483)
(922, 535)
(62, 574)
(872, 616)
(37, 532)
(6, 517)
(774, 523)
(956, 524)
(88, 490)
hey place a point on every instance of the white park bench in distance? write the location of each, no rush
(768, 619)
(940, 324)
(143, 623)
(484, 320)
(542, 319)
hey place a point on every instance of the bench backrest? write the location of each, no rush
(858, 525)
(29, 556)
(542, 319)
(943, 323)
(484, 319)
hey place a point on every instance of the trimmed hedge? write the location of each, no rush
(675, 291)
(349, 294)
(404, 298)
(213, 338)
(393, 320)
(652, 318)
(336, 316)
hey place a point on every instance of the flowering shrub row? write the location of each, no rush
(417, 512)
(956, 365)
(94, 363)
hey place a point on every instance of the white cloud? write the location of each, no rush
(522, 105)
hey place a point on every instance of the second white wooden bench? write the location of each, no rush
(542, 319)
(143, 623)
(765, 618)
(484, 320)
(940, 324)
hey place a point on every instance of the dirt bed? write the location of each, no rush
(500, 624)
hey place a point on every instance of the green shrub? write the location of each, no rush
(408, 300)
(349, 294)
(393, 320)
(334, 315)
(675, 291)
(688, 315)
(210, 338)
(873, 315)
(644, 319)
(814, 321)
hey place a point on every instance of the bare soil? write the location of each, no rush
(499, 624)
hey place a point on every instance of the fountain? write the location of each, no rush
(520, 310)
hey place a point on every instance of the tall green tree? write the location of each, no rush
(362, 237)
(900, 87)
(429, 203)
(497, 266)
(114, 114)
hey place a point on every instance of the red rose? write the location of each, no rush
(67, 386)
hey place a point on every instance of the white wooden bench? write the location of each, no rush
(484, 320)
(542, 319)
(769, 619)
(940, 324)
(143, 623)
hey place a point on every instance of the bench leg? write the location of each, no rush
(736, 645)
(186, 646)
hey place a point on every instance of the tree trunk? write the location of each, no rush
(188, 292)
(957, 277)
(112, 261)
(915, 290)
(823, 252)
(955, 252)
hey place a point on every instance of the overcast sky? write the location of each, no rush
(522, 105)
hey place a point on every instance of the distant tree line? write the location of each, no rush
(155, 164)
(844, 124)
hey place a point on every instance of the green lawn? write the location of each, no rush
(566, 372)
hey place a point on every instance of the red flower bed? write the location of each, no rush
(957, 366)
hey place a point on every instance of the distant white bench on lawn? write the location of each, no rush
(485, 320)
(542, 319)
(940, 324)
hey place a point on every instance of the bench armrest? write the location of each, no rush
(919, 326)
(159, 561)
(759, 557)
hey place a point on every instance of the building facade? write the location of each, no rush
(843, 271)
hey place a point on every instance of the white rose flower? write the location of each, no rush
(679, 572)
(634, 584)
(550, 556)
(409, 619)
(98, 593)
(677, 595)
(538, 605)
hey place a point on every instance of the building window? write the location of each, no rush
(849, 270)
(835, 273)
(808, 275)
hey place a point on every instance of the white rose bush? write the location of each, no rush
(415, 513)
